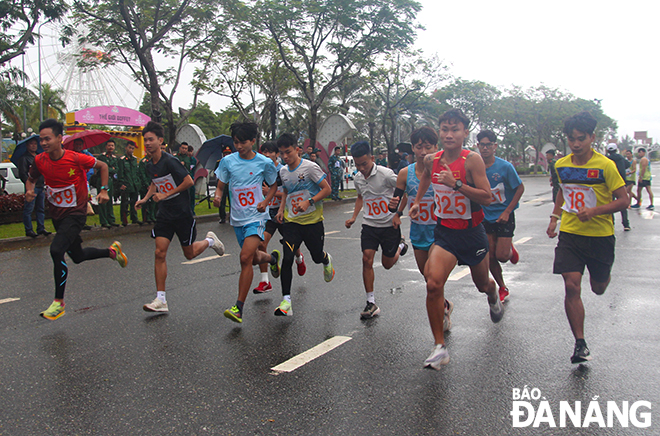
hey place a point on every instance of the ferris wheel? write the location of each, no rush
(86, 75)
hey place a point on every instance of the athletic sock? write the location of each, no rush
(299, 259)
(264, 277)
(288, 298)
(371, 298)
(326, 259)
(240, 304)
(401, 245)
(161, 296)
(210, 241)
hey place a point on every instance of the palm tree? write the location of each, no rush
(53, 103)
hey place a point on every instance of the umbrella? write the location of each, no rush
(21, 148)
(91, 138)
(211, 151)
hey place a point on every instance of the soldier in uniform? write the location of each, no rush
(336, 167)
(193, 167)
(129, 185)
(149, 208)
(106, 212)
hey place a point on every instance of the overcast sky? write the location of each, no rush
(593, 49)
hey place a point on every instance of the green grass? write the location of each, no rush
(16, 229)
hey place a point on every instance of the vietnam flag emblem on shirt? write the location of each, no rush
(592, 174)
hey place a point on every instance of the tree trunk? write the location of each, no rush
(313, 125)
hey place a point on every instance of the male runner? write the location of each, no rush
(301, 212)
(631, 175)
(65, 180)
(243, 174)
(424, 141)
(460, 188)
(506, 189)
(375, 188)
(169, 189)
(588, 180)
(270, 150)
(644, 180)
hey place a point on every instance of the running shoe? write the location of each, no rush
(328, 270)
(504, 293)
(581, 353)
(302, 268)
(157, 305)
(370, 310)
(496, 311)
(439, 357)
(651, 207)
(626, 229)
(404, 250)
(55, 310)
(263, 288)
(635, 206)
(449, 308)
(515, 257)
(218, 246)
(284, 309)
(234, 314)
(275, 268)
(120, 257)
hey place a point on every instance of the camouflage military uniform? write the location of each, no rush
(127, 175)
(149, 208)
(106, 211)
(336, 167)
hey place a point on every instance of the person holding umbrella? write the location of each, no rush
(24, 164)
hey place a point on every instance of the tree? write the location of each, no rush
(474, 98)
(326, 42)
(135, 33)
(399, 84)
(18, 20)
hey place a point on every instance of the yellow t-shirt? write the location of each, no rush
(588, 185)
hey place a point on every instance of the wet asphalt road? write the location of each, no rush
(109, 368)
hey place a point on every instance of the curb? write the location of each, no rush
(25, 242)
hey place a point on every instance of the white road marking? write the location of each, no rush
(8, 300)
(332, 232)
(522, 240)
(204, 259)
(536, 200)
(307, 356)
(459, 275)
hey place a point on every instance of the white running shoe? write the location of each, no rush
(439, 357)
(156, 306)
(218, 246)
(496, 310)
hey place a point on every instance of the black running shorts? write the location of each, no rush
(574, 252)
(185, 229)
(387, 237)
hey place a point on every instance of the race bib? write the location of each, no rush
(498, 196)
(578, 196)
(276, 201)
(451, 204)
(245, 197)
(292, 201)
(376, 207)
(62, 197)
(425, 216)
(165, 185)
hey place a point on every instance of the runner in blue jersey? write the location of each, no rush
(506, 188)
(243, 173)
(425, 141)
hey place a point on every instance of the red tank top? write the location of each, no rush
(453, 209)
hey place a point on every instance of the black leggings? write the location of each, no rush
(294, 235)
(67, 240)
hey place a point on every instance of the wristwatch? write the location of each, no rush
(458, 185)
(311, 202)
(103, 187)
(400, 213)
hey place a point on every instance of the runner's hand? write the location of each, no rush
(396, 221)
(504, 217)
(552, 229)
(262, 205)
(413, 213)
(349, 222)
(394, 203)
(217, 201)
(138, 204)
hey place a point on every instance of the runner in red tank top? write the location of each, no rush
(460, 188)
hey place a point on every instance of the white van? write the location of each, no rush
(14, 185)
(349, 167)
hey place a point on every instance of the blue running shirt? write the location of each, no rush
(244, 179)
(504, 181)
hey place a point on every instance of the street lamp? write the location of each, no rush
(41, 103)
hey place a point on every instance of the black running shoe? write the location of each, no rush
(581, 353)
(404, 250)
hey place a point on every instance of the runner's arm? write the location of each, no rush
(475, 168)
(217, 198)
(356, 211)
(150, 192)
(504, 217)
(102, 196)
(424, 184)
